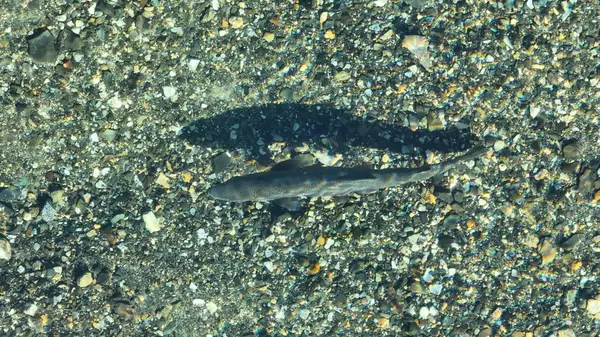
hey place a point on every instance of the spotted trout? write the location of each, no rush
(289, 181)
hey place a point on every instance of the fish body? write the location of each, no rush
(313, 181)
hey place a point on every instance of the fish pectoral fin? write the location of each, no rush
(291, 204)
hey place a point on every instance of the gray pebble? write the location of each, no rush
(42, 46)
(571, 151)
(220, 162)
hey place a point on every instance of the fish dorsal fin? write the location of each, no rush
(301, 160)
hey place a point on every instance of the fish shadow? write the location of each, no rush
(253, 129)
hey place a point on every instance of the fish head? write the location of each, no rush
(231, 190)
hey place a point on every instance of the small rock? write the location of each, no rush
(566, 333)
(417, 45)
(570, 243)
(269, 37)
(424, 312)
(384, 322)
(341, 76)
(31, 310)
(485, 332)
(548, 252)
(152, 224)
(72, 41)
(571, 151)
(586, 182)
(193, 64)
(48, 212)
(236, 22)
(125, 310)
(5, 252)
(163, 180)
(42, 46)
(304, 313)
(85, 280)
(170, 93)
(499, 145)
(593, 306)
(108, 135)
(220, 162)
(212, 307)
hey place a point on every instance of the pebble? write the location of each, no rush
(152, 224)
(269, 265)
(170, 93)
(586, 182)
(48, 213)
(417, 45)
(571, 151)
(268, 37)
(304, 313)
(163, 180)
(212, 307)
(384, 322)
(85, 280)
(548, 252)
(108, 135)
(236, 22)
(220, 162)
(31, 310)
(499, 145)
(5, 252)
(572, 241)
(42, 46)
(341, 76)
(424, 312)
(193, 64)
(566, 333)
(593, 306)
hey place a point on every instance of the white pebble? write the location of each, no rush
(212, 307)
(304, 313)
(31, 310)
(151, 222)
(499, 145)
(94, 138)
(193, 64)
(170, 93)
(269, 266)
(424, 312)
(329, 243)
(115, 102)
(5, 252)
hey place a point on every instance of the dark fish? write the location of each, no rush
(289, 181)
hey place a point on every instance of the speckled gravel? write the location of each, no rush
(117, 116)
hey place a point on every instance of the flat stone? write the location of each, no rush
(85, 280)
(42, 46)
(5, 252)
(220, 162)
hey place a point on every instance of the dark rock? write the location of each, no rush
(220, 162)
(42, 46)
